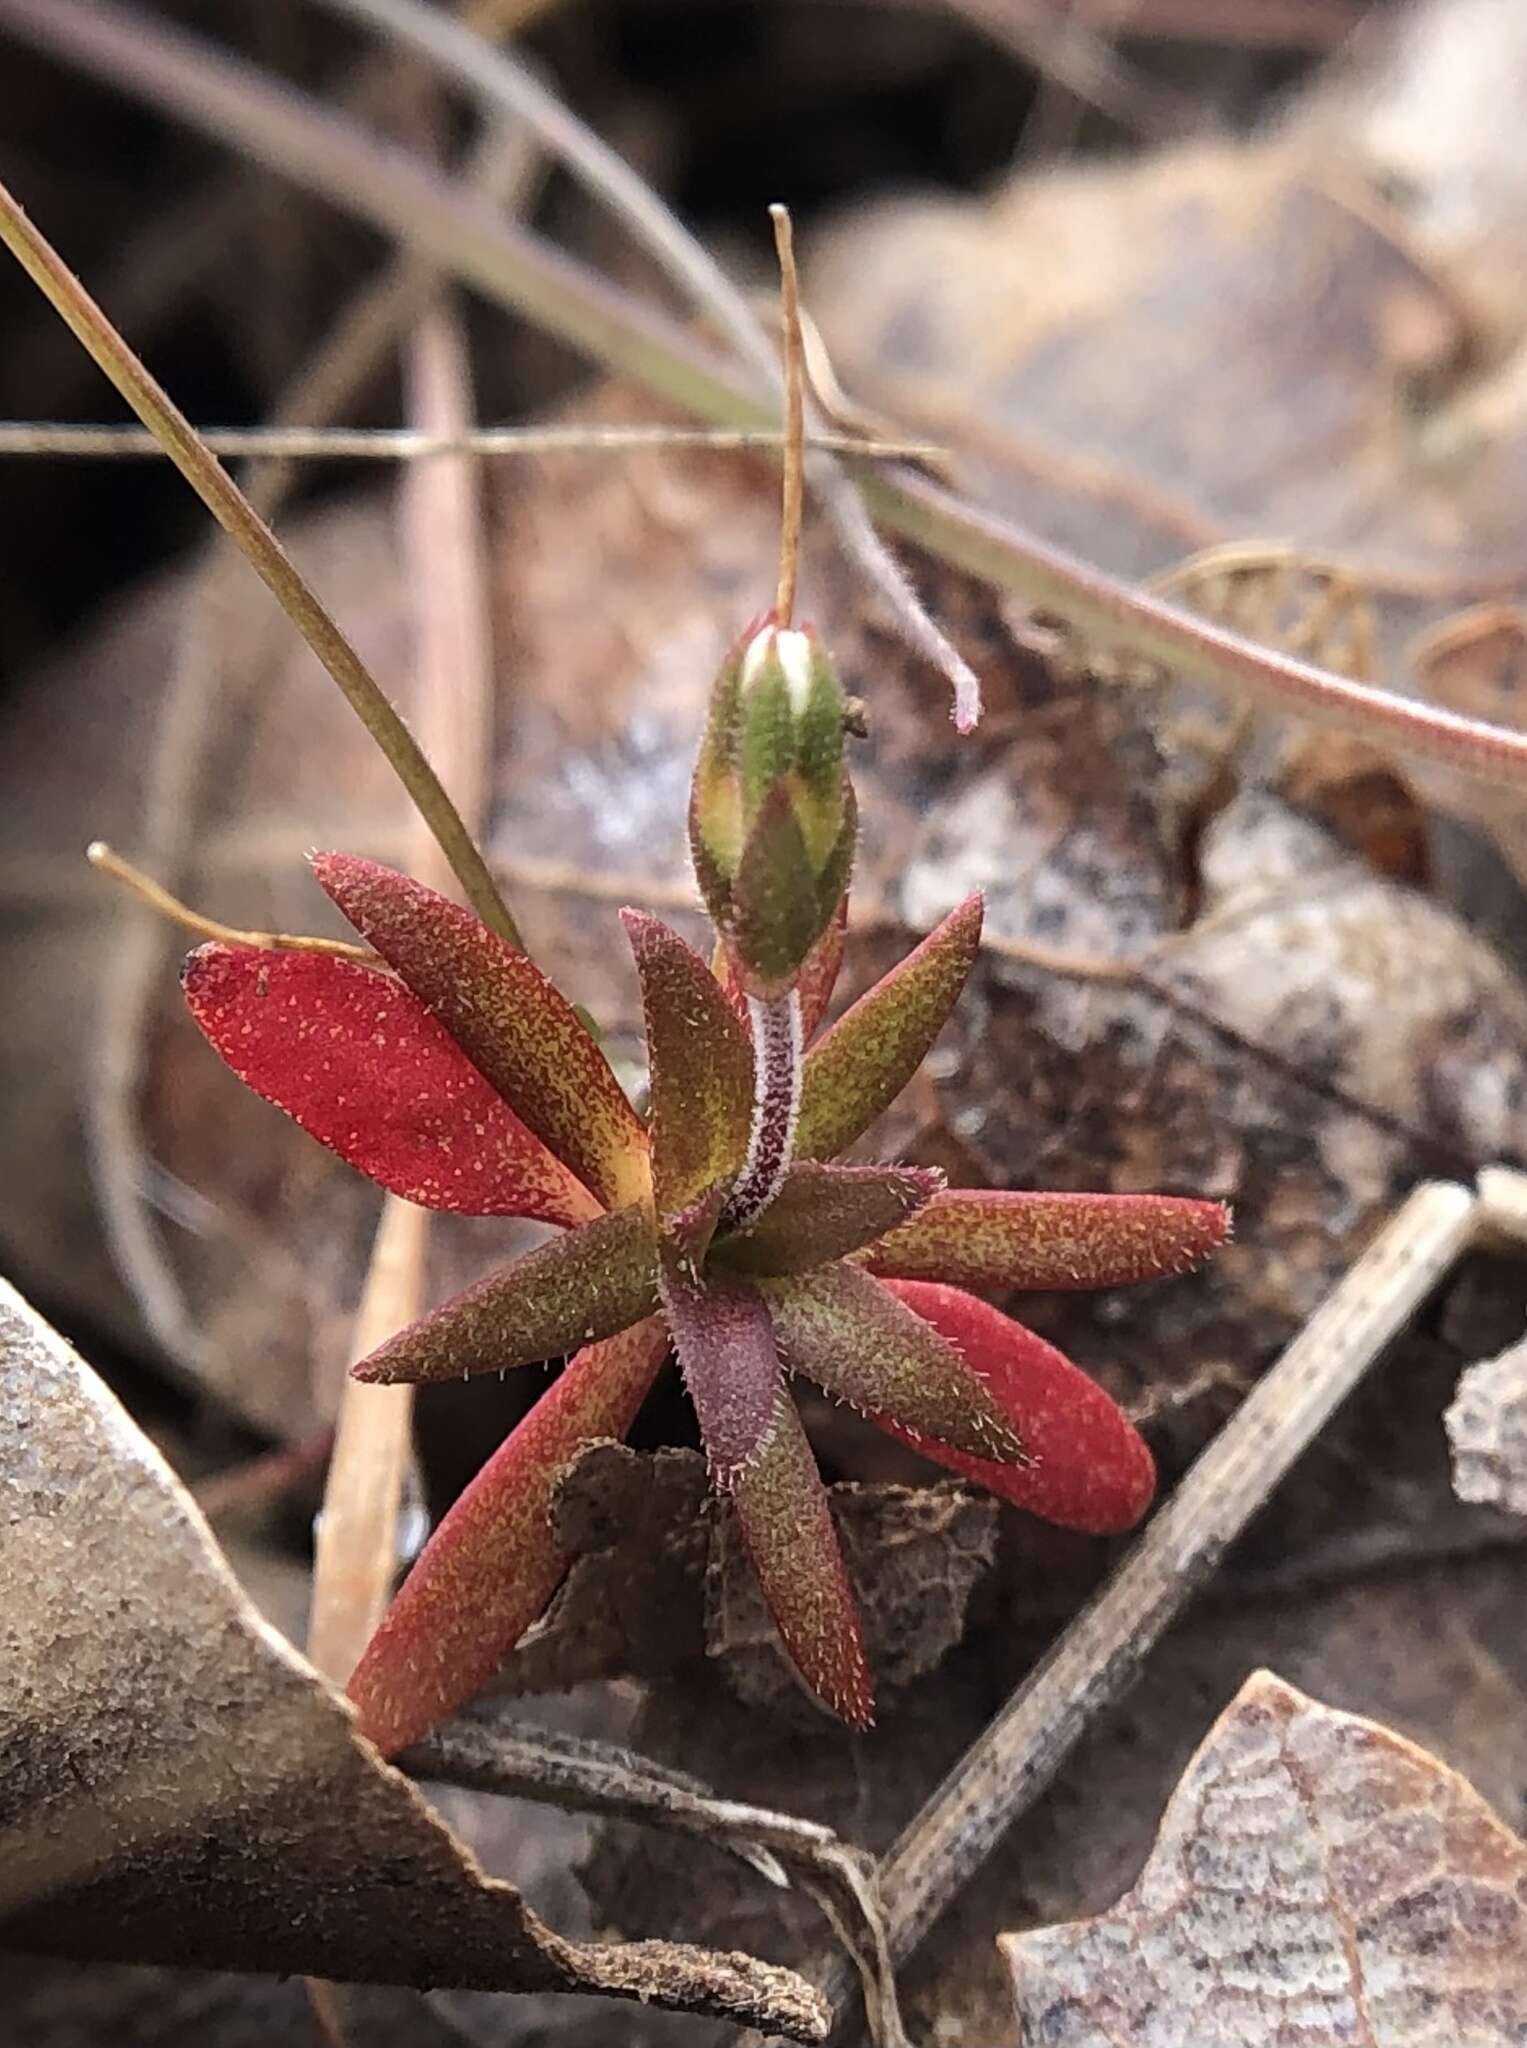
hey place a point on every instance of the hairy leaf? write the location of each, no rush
(494, 1562)
(822, 1213)
(1089, 1468)
(976, 1238)
(727, 1353)
(845, 1331)
(361, 1064)
(788, 1530)
(572, 1291)
(512, 1024)
(875, 1047)
(701, 1064)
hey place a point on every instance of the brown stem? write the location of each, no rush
(795, 418)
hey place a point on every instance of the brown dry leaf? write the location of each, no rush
(181, 1788)
(1487, 1428)
(1316, 1878)
(1476, 663)
(660, 1582)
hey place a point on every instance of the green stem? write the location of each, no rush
(238, 518)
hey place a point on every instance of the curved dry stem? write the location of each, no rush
(236, 104)
(265, 554)
(498, 78)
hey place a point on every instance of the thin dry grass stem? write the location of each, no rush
(158, 898)
(795, 419)
(483, 1751)
(318, 149)
(266, 556)
(497, 78)
(402, 444)
(447, 569)
(1101, 1653)
(258, 1481)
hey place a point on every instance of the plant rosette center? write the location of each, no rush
(717, 1228)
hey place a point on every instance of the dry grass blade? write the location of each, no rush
(404, 444)
(236, 104)
(443, 546)
(266, 556)
(497, 78)
(1102, 1651)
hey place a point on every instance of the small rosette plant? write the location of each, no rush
(715, 1226)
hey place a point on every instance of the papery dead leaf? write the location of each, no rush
(1487, 1429)
(181, 1788)
(1316, 1878)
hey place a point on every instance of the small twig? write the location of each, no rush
(101, 856)
(1101, 1653)
(485, 1752)
(234, 513)
(795, 427)
(404, 444)
(265, 1478)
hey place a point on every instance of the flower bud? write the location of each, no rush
(771, 815)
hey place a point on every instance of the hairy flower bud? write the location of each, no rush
(771, 815)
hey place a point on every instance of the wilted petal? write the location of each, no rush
(845, 1331)
(977, 1238)
(571, 1291)
(822, 1213)
(361, 1064)
(509, 1020)
(490, 1568)
(875, 1047)
(1090, 1467)
(701, 1062)
(787, 1526)
(726, 1350)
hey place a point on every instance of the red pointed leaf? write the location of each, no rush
(1091, 1469)
(875, 1047)
(822, 1213)
(845, 1331)
(361, 1064)
(512, 1024)
(490, 1568)
(720, 1329)
(787, 1526)
(701, 1064)
(571, 1291)
(977, 1238)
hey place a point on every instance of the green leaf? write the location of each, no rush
(983, 1238)
(776, 914)
(515, 1027)
(727, 1354)
(701, 1069)
(875, 1048)
(571, 1291)
(824, 1212)
(489, 1569)
(787, 1528)
(843, 1330)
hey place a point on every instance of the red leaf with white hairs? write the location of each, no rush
(787, 1528)
(1090, 1468)
(361, 1064)
(991, 1238)
(489, 1569)
(515, 1027)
